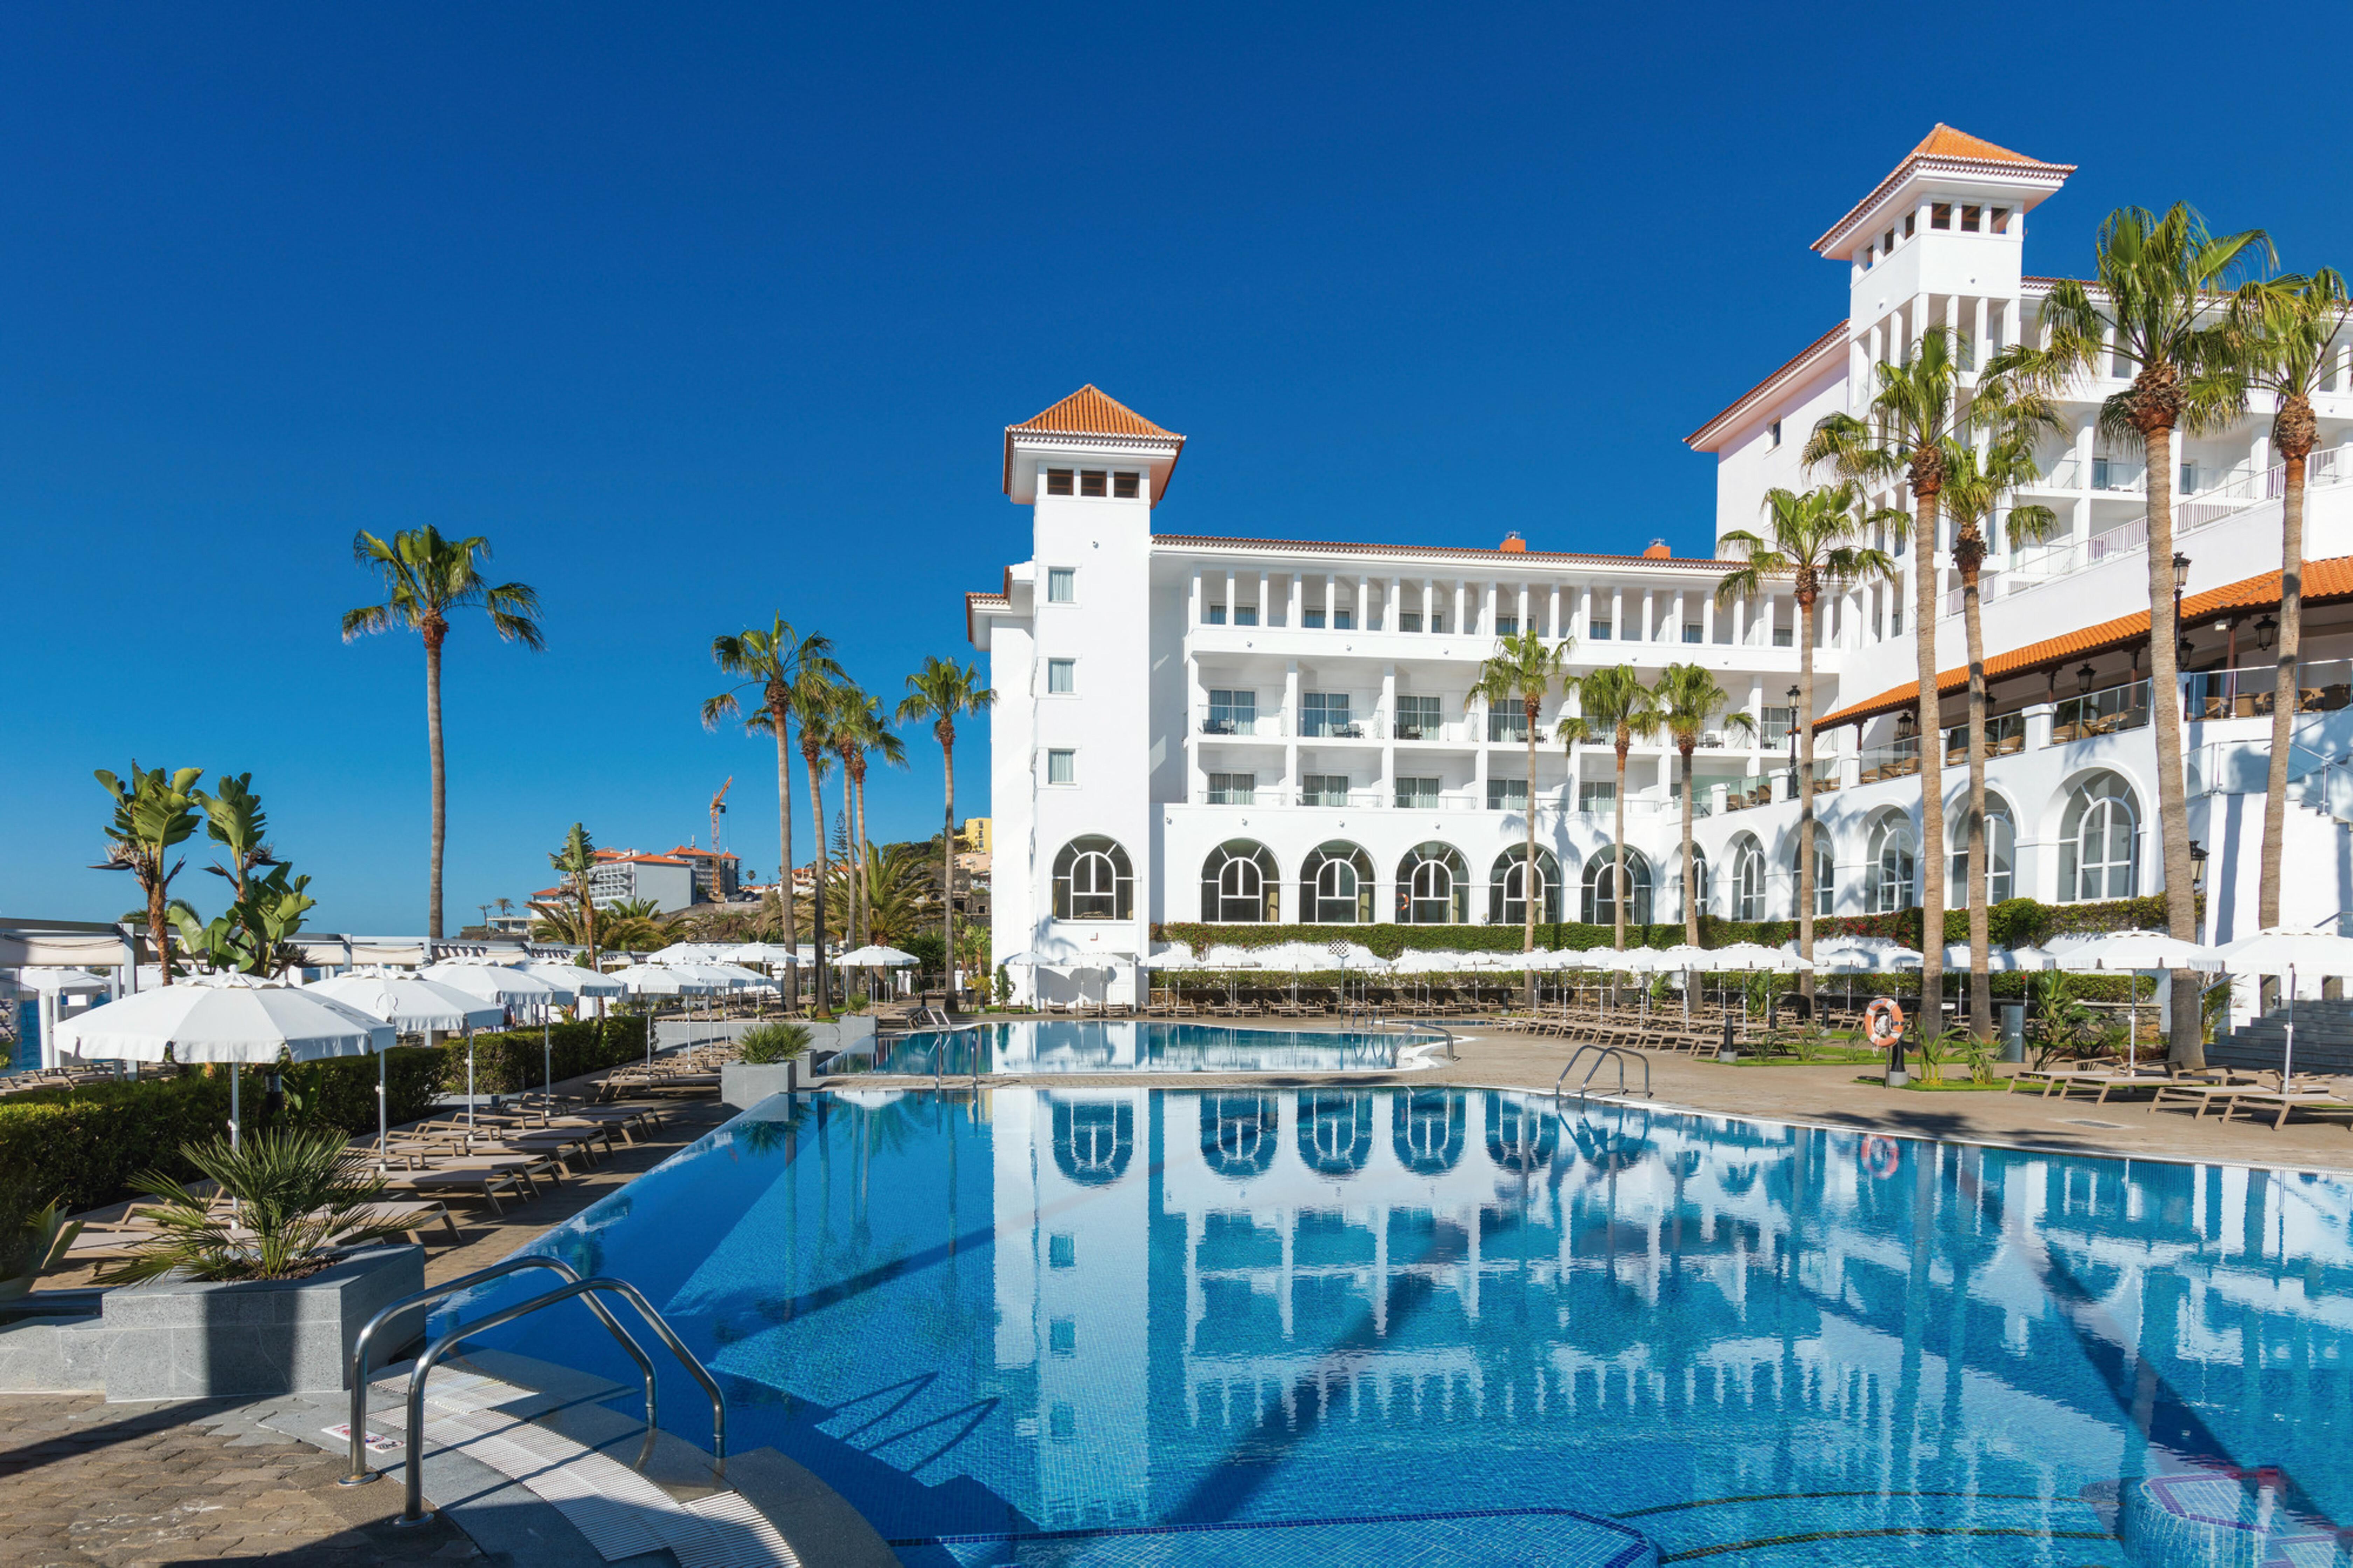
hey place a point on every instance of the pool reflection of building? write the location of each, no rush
(1246, 1275)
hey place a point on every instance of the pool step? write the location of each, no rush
(622, 1513)
(1923, 1530)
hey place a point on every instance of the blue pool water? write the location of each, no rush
(1436, 1326)
(1060, 1045)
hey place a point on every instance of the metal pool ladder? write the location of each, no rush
(1602, 1054)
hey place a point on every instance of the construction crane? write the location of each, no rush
(718, 810)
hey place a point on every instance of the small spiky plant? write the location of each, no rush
(301, 1195)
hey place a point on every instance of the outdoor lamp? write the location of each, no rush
(2180, 572)
(2084, 678)
(2183, 648)
(2265, 630)
(274, 1100)
(2197, 868)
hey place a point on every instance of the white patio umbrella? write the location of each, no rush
(151, 978)
(2279, 951)
(2133, 952)
(874, 957)
(685, 952)
(413, 1006)
(1742, 957)
(1999, 959)
(232, 1025)
(59, 981)
(492, 983)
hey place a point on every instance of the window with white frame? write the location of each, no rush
(1507, 794)
(2099, 841)
(1825, 873)
(1240, 883)
(1093, 880)
(1888, 875)
(1417, 793)
(1324, 789)
(1062, 767)
(1062, 677)
(2001, 851)
(1747, 879)
(1061, 585)
(1336, 885)
(1233, 789)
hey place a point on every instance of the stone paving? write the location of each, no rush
(84, 1482)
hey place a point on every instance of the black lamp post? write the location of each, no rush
(1793, 741)
(2084, 677)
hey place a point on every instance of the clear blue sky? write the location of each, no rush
(703, 317)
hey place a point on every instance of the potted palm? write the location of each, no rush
(769, 1064)
(259, 1287)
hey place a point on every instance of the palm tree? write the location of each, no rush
(861, 728)
(1814, 539)
(811, 702)
(1688, 697)
(2288, 331)
(154, 814)
(427, 579)
(1613, 702)
(943, 693)
(2158, 282)
(578, 861)
(1974, 480)
(1523, 669)
(773, 659)
(1905, 434)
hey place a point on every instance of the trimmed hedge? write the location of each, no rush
(2011, 922)
(511, 1060)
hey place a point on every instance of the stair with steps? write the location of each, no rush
(2323, 1039)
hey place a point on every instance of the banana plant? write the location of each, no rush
(154, 813)
(255, 934)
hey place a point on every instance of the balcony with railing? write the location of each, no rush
(1897, 759)
(1237, 722)
(2246, 692)
(2104, 713)
(1744, 794)
(2005, 733)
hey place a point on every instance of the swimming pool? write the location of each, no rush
(1438, 1326)
(1070, 1044)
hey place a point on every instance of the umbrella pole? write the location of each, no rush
(2287, 1057)
(547, 1061)
(383, 1104)
(232, 1105)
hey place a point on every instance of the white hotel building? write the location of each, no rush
(1191, 727)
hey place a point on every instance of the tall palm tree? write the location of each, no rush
(1814, 538)
(811, 702)
(2286, 330)
(578, 861)
(861, 729)
(426, 580)
(1613, 702)
(2157, 304)
(944, 693)
(1974, 479)
(1524, 670)
(1688, 697)
(1903, 434)
(773, 659)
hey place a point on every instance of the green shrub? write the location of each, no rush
(513, 1060)
(765, 1045)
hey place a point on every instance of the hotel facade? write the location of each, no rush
(1251, 732)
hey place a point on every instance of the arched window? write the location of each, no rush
(1092, 881)
(1600, 903)
(1433, 887)
(1747, 878)
(1825, 872)
(1238, 883)
(2099, 841)
(2001, 852)
(1093, 1141)
(1888, 881)
(1335, 1131)
(1507, 887)
(1700, 890)
(1336, 885)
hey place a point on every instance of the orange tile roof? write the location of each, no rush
(2328, 582)
(1945, 145)
(1797, 364)
(1091, 411)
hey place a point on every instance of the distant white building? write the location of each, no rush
(1250, 730)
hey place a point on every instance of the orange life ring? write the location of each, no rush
(1883, 1020)
(1880, 1156)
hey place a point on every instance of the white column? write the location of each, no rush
(1193, 606)
(1298, 600)
(1551, 622)
(1461, 605)
(1707, 617)
(1979, 349)
(1647, 597)
(1291, 732)
(1230, 598)
(1265, 611)
(1364, 601)
(1524, 607)
(1428, 599)
(1739, 620)
(1618, 613)
(1392, 603)
(1388, 735)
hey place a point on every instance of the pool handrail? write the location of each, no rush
(1603, 1053)
(413, 1498)
(360, 1474)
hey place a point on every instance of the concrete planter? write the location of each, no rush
(186, 1339)
(742, 1085)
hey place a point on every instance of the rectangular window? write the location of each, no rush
(1409, 620)
(1784, 636)
(2189, 479)
(1599, 631)
(1058, 481)
(1776, 725)
(1438, 623)
(1311, 619)
(1940, 214)
(1418, 717)
(1911, 225)
(1061, 585)
(1507, 794)
(1693, 631)
(1232, 713)
(1344, 620)
(1507, 626)
(1324, 789)
(1062, 767)
(1602, 796)
(2000, 224)
(1773, 434)
(1214, 615)
(1125, 484)
(1326, 713)
(1093, 482)
(1895, 621)
(1233, 789)
(1969, 220)
(1245, 615)
(1062, 677)
(1508, 722)
(1416, 795)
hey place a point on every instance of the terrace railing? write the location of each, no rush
(2104, 712)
